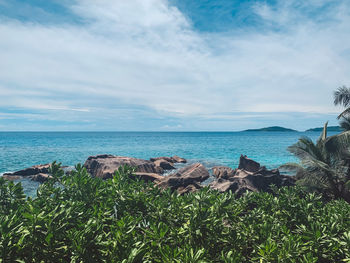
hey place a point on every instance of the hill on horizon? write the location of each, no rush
(273, 129)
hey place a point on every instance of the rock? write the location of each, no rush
(189, 189)
(264, 178)
(41, 177)
(164, 164)
(35, 169)
(35, 172)
(224, 172)
(238, 186)
(149, 177)
(248, 164)
(174, 159)
(178, 159)
(242, 173)
(196, 172)
(168, 159)
(223, 185)
(252, 182)
(39, 173)
(263, 170)
(104, 166)
(191, 174)
(12, 177)
(250, 177)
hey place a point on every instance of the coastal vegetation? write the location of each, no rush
(77, 218)
(324, 166)
(342, 97)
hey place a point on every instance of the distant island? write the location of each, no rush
(272, 129)
(282, 129)
(329, 128)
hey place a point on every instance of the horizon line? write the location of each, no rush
(187, 131)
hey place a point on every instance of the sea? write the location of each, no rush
(19, 150)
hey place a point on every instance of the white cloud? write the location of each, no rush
(145, 53)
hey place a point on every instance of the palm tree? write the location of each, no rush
(342, 97)
(345, 123)
(325, 166)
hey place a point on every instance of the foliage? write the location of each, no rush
(324, 165)
(77, 218)
(345, 122)
(342, 97)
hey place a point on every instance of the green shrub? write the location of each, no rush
(77, 218)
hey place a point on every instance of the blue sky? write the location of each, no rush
(181, 65)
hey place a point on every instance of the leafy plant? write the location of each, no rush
(77, 218)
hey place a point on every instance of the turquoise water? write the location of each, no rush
(19, 150)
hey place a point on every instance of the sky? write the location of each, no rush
(180, 65)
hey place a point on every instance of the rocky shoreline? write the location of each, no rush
(249, 176)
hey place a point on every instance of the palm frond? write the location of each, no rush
(345, 122)
(291, 167)
(305, 150)
(342, 96)
(300, 171)
(323, 166)
(339, 144)
(344, 113)
(348, 184)
(315, 182)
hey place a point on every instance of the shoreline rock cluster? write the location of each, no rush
(39, 173)
(249, 176)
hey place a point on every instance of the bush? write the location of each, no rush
(78, 218)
